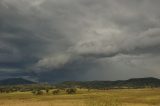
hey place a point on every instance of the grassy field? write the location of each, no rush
(119, 97)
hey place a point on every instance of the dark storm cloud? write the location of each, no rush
(77, 39)
(70, 71)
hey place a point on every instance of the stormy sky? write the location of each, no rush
(57, 40)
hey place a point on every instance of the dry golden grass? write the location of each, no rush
(42, 103)
(125, 97)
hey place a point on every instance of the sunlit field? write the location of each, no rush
(83, 97)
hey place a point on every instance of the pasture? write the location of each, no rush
(83, 97)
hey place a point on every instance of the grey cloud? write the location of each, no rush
(112, 43)
(53, 62)
(49, 36)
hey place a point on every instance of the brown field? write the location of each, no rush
(119, 97)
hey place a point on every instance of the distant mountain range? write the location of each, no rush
(15, 81)
(131, 83)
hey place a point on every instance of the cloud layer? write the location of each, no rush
(52, 40)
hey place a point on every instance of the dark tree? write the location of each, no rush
(56, 92)
(71, 91)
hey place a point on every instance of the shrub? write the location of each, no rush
(47, 90)
(71, 91)
(56, 92)
(37, 92)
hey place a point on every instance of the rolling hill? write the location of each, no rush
(15, 81)
(131, 83)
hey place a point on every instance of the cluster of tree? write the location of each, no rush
(24, 88)
(36, 89)
(54, 92)
(68, 91)
(9, 89)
